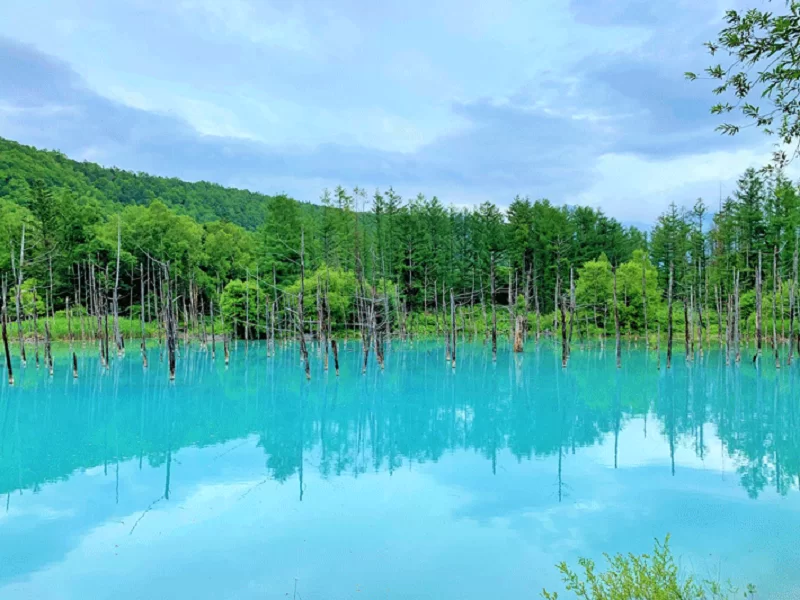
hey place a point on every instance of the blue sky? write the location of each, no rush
(578, 101)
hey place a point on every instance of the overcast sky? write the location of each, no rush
(578, 101)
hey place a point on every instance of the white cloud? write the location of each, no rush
(639, 188)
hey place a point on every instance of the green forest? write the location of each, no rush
(66, 225)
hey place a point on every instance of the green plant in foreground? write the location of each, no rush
(643, 577)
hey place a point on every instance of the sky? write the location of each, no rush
(578, 101)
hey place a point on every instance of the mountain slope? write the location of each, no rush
(21, 165)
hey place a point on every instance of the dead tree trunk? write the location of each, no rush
(453, 325)
(572, 309)
(686, 328)
(759, 332)
(144, 343)
(48, 351)
(172, 324)
(494, 308)
(335, 349)
(117, 334)
(300, 306)
(793, 302)
(4, 317)
(564, 343)
(774, 312)
(35, 329)
(213, 333)
(618, 349)
(644, 301)
(737, 317)
(72, 343)
(669, 315)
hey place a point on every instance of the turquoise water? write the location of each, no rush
(416, 482)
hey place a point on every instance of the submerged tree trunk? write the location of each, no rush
(335, 349)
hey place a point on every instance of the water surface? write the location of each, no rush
(415, 482)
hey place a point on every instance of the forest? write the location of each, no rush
(82, 240)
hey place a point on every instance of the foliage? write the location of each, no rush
(759, 78)
(653, 576)
(239, 304)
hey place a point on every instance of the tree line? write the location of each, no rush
(390, 265)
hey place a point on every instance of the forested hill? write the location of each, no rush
(21, 165)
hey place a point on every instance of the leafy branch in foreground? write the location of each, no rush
(760, 76)
(642, 577)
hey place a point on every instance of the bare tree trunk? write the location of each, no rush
(225, 348)
(447, 328)
(300, 306)
(793, 301)
(48, 350)
(512, 305)
(172, 323)
(18, 298)
(141, 319)
(4, 317)
(81, 306)
(658, 344)
(669, 315)
(519, 338)
(644, 301)
(527, 296)
(494, 309)
(718, 300)
(564, 351)
(335, 349)
(728, 332)
(572, 309)
(213, 332)
(616, 322)
(117, 334)
(436, 305)
(737, 317)
(687, 328)
(759, 332)
(453, 325)
(774, 312)
(247, 310)
(35, 329)
(483, 310)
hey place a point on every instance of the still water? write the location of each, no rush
(415, 482)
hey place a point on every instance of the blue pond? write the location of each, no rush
(415, 482)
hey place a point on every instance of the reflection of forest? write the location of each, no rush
(415, 411)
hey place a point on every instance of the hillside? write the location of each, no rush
(203, 201)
